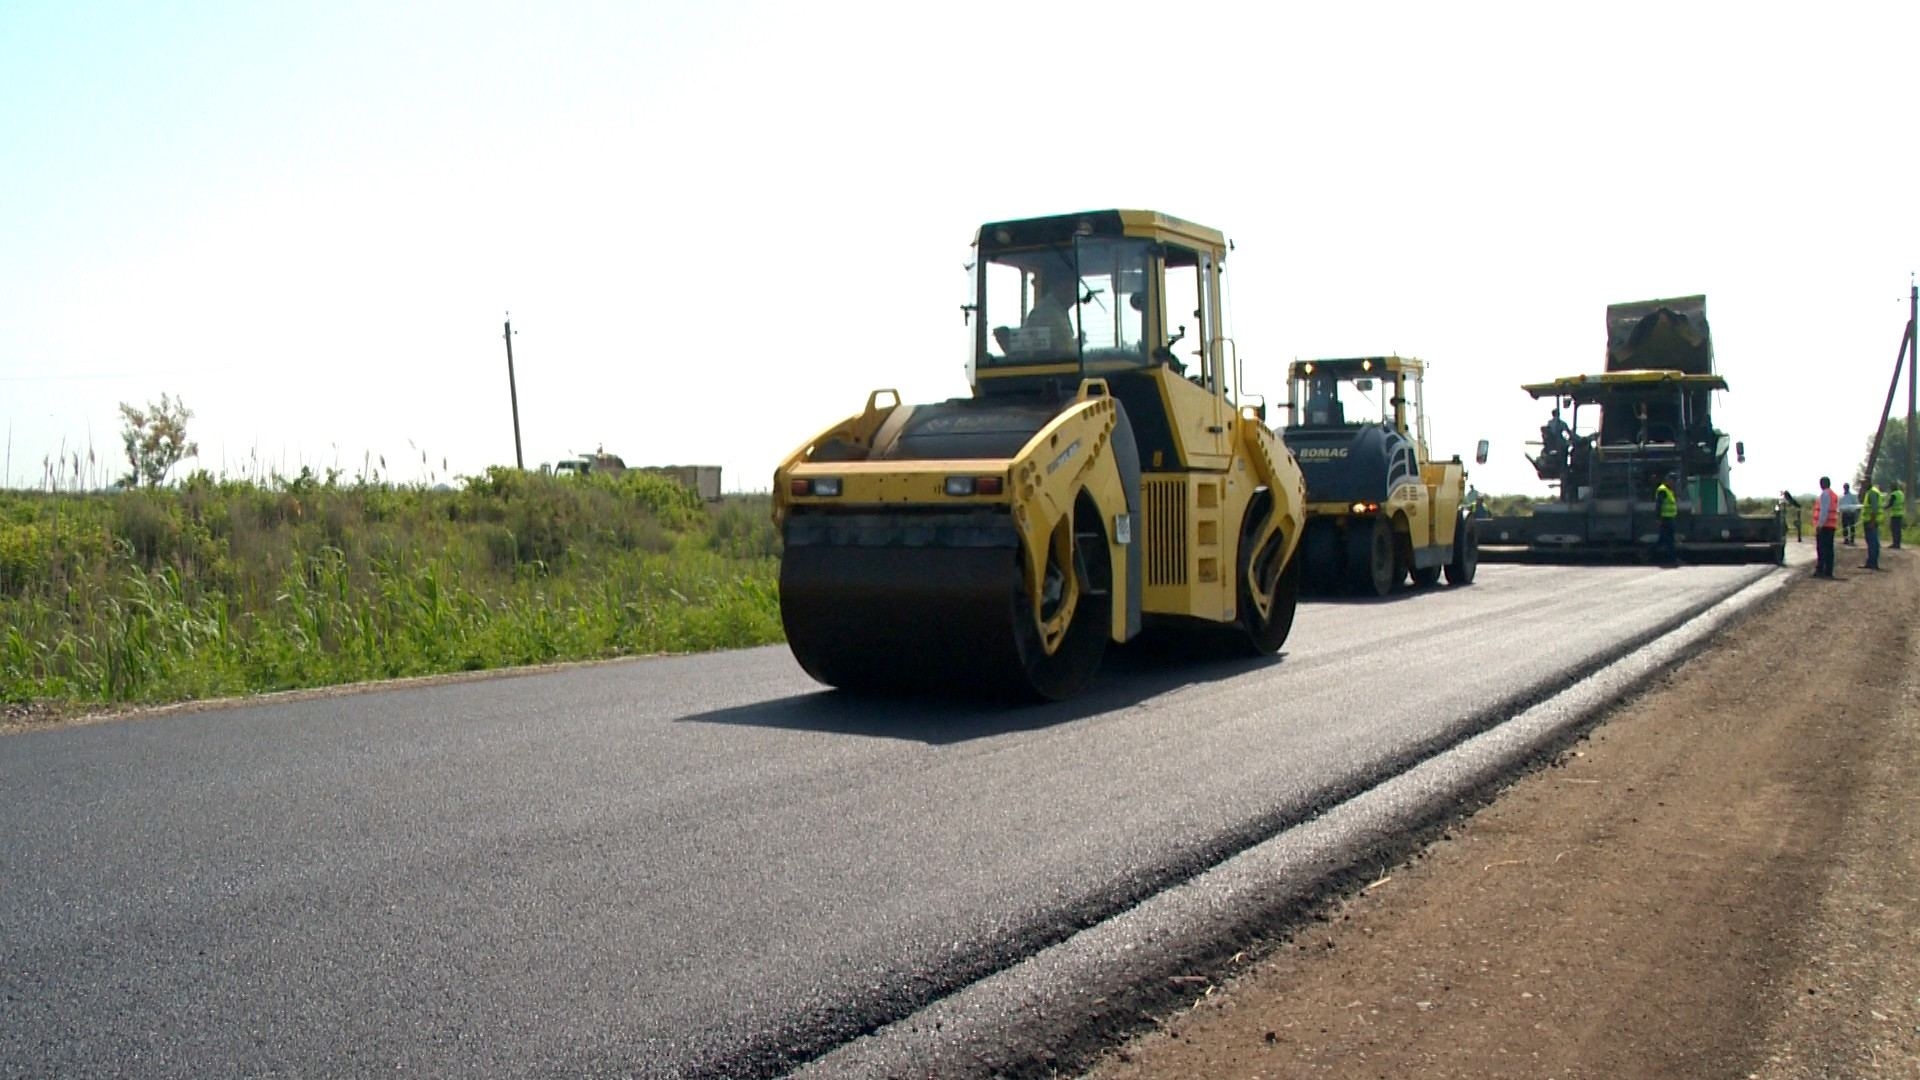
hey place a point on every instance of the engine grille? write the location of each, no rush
(1166, 531)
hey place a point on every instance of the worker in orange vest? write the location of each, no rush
(1826, 522)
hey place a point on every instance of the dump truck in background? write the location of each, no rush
(703, 480)
(598, 463)
(1648, 415)
(1380, 509)
(1102, 478)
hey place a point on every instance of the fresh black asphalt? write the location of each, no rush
(692, 866)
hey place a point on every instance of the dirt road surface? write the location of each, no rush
(1722, 880)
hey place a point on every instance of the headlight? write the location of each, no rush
(961, 486)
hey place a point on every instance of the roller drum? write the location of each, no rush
(914, 607)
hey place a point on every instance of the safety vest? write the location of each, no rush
(1896, 503)
(1663, 498)
(1870, 509)
(1826, 510)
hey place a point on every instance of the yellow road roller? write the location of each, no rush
(1100, 479)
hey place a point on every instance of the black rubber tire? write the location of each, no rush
(1424, 576)
(1466, 553)
(1371, 566)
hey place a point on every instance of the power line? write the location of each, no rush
(87, 376)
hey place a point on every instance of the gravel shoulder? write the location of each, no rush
(1722, 879)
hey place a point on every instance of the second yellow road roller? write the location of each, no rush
(1101, 478)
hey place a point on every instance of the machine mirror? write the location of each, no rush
(1480, 453)
(1740, 452)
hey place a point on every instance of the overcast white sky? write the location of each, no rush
(719, 225)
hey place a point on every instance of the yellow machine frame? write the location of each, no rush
(1424, 508)
(1179, 510)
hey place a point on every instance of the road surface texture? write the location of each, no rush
(1721, 881)
(708, 866)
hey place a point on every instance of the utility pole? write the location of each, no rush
(513, 392)
(1886, 411)
(1913, 361)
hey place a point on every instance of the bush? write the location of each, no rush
(225, 586)
(672, 502)
(24, 553)
(146, 521)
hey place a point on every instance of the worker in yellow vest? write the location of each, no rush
(1896, 512)
(1871, 509)
(1667, 505)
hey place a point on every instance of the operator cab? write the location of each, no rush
(1358, 392)
(1094, 295)
(1130, 297)
(1353, 427)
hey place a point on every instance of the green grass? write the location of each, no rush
(220, 587)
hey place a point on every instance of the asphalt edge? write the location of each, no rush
(1051, 1013)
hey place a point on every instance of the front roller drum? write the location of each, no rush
(904, 619)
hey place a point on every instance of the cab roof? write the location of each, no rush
(1589, 389)
(1111, 224)
(1357, 367)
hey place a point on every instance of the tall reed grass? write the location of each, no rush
(219, 586)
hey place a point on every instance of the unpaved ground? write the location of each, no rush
(1722, 881)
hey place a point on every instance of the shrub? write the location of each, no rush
(223, 586)
(25, 551)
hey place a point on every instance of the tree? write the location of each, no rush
(1893, 456)
(156, 439)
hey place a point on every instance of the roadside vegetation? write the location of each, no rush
(214, 587)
